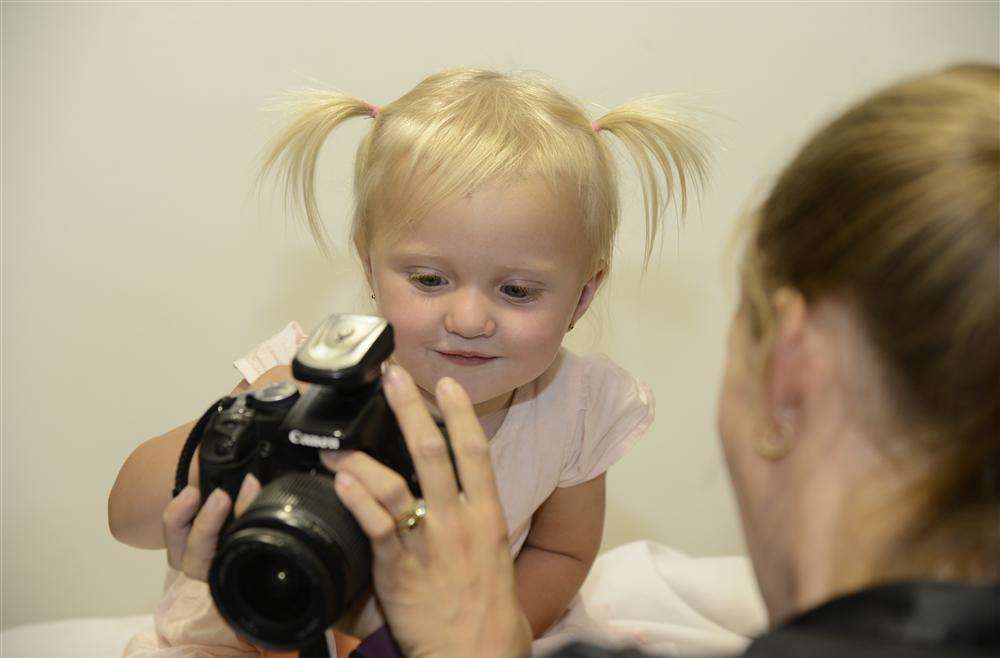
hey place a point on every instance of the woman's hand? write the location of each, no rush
(191, 534)
(446, 586)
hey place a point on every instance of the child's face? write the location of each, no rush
(484, 288)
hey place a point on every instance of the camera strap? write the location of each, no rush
(192, 442)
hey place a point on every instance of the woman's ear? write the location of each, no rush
(788, 362)
(590, 289)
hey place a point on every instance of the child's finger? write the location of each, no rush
(472, 450)
(423, 439)
(204, 535)
(248, 491)
(177, 518)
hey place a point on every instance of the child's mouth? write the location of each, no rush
(461, 359)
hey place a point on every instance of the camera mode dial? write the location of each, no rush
(274, 397)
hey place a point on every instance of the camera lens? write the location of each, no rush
(291, 565)
(274, 587)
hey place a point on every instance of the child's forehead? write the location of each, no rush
(526, 208)
(523, 222)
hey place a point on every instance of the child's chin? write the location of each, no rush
(480, 393)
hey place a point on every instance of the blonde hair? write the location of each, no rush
(896, 206)
(461, 128)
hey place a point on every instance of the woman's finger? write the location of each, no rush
(177, 517)
(472, 450)
(204, 535)
(386, 485)
(373, 518)
(423, 439)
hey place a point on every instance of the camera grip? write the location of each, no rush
(192, 442)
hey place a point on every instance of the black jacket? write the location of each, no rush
(905, 620)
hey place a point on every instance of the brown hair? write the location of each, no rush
(896, 207)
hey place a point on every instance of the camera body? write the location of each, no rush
(296, 559)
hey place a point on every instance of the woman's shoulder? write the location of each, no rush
(896, 620)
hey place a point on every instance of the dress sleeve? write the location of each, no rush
(617, 411)
(187, 625)
(278, 350)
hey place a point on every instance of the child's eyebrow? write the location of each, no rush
(525, 268)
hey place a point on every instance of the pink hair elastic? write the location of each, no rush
(374, 110)
(596, 127)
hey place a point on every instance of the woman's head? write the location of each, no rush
(502, 155)
(871, 283)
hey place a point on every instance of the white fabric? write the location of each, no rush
(278, 350)
(657, 598)
(640, 594)
(72, 638)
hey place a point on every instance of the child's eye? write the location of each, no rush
(426, 280)
(519, 293)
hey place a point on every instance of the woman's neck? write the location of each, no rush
(844, 521)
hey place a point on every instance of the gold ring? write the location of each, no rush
(411, 519)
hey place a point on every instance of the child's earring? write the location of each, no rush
(373, 297)
(571, 325)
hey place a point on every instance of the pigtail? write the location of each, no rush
(670, 152)
(294, 152)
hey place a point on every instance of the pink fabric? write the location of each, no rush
(187, 625)
(567, 427)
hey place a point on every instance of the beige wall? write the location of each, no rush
(137, 264)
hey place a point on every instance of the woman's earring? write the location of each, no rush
(776, 444)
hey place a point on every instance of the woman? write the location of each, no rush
(859, 412)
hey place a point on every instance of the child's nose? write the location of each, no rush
(469, 315)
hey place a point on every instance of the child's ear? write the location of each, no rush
(366, 263)
(590, 289)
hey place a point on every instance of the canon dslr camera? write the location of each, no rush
(296, 560)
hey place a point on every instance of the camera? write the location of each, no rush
(296, 559)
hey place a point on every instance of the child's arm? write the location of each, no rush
(563, 541)
(146, 479)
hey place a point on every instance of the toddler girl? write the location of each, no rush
(486, 211)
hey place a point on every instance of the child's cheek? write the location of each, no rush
(538, 337)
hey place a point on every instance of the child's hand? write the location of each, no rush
(191, 535)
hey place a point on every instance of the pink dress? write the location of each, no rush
(564, 428)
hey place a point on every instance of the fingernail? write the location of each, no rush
(393, 376)
(343, 480)
(332, 459)
(217, 500)
(248, 482)
(188, 494)
(446, 385)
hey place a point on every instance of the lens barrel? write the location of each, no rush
(291, 564)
